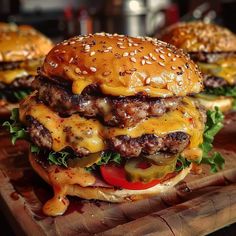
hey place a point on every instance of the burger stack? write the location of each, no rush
(213, 48)
(22, 50)
(110, 119)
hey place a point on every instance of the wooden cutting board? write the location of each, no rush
(197, 206)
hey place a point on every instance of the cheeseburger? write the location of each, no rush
(21, 52)
(110, 119)
(213, 48)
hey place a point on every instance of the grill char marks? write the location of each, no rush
(211, 81)
(9, 65)
(21, 82)
(147, 144)
(113, 111)
(212, 57)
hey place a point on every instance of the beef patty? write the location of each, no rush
(147, 144)
(113, 111)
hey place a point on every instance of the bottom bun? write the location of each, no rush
(111, 194)
(224, 103)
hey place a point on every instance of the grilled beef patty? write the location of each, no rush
(113, 111)
(147, 144)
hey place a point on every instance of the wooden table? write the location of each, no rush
(198, 205)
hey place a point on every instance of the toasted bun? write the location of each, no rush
(19, 43)
(199, 36)
(223, 102)
(123, 66)
(112, 194)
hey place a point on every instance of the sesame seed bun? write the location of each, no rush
(123, 66)
(199, 36)
(19, 43)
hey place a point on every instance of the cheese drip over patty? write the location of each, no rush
(79, 132)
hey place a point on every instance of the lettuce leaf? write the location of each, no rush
(222, 91)
(15, 96)
(58, 158)
(16, 129)
(213, 126)
(106, 158)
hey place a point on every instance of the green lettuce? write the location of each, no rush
(213, 126)
(16, 129)
(222, 91)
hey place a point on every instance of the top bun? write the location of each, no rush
(200, 37)
(123, 66)
(19, 43)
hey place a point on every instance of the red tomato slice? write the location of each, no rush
(115, 176)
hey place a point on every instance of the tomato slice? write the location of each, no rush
(115, 176)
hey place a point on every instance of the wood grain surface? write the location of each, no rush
(197, 206)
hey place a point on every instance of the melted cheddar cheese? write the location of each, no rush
(78, 132)
(25, 69)
(61, 179)
(224, 68)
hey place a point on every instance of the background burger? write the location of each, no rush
(213, 48)
(21, 52)
(110, 119)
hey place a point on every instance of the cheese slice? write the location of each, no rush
(25, 69)
(224, 68)
(78, 132)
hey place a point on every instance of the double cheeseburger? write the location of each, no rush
(110, 117)
(213, 48)
(22, 50)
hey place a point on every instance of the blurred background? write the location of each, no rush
(61, 19)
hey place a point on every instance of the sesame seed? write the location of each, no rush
(93, 69)
(143, 62)
(122, 47)
(92, 53)
(132, 59)
(129, 44)
(169, 54)
(162, 57)
(106, 73)
(84, 72)
(161, 51)
(132, 54)
(135, 44)
(173, 59)
(156, 50)
(161, 63)
(119, 43)
(72, 42)
(57, 50)
(173, 68)
(147, 80)
(120, 39)
(148, 62)
(150, 54)
(153, 58)
(71, 59)
(125, 54)
(77, 70)
(109, 48)
(106, 50)
(146, 57)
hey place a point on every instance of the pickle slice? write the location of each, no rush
(85, 161)
(143, 170)
(161, 159)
